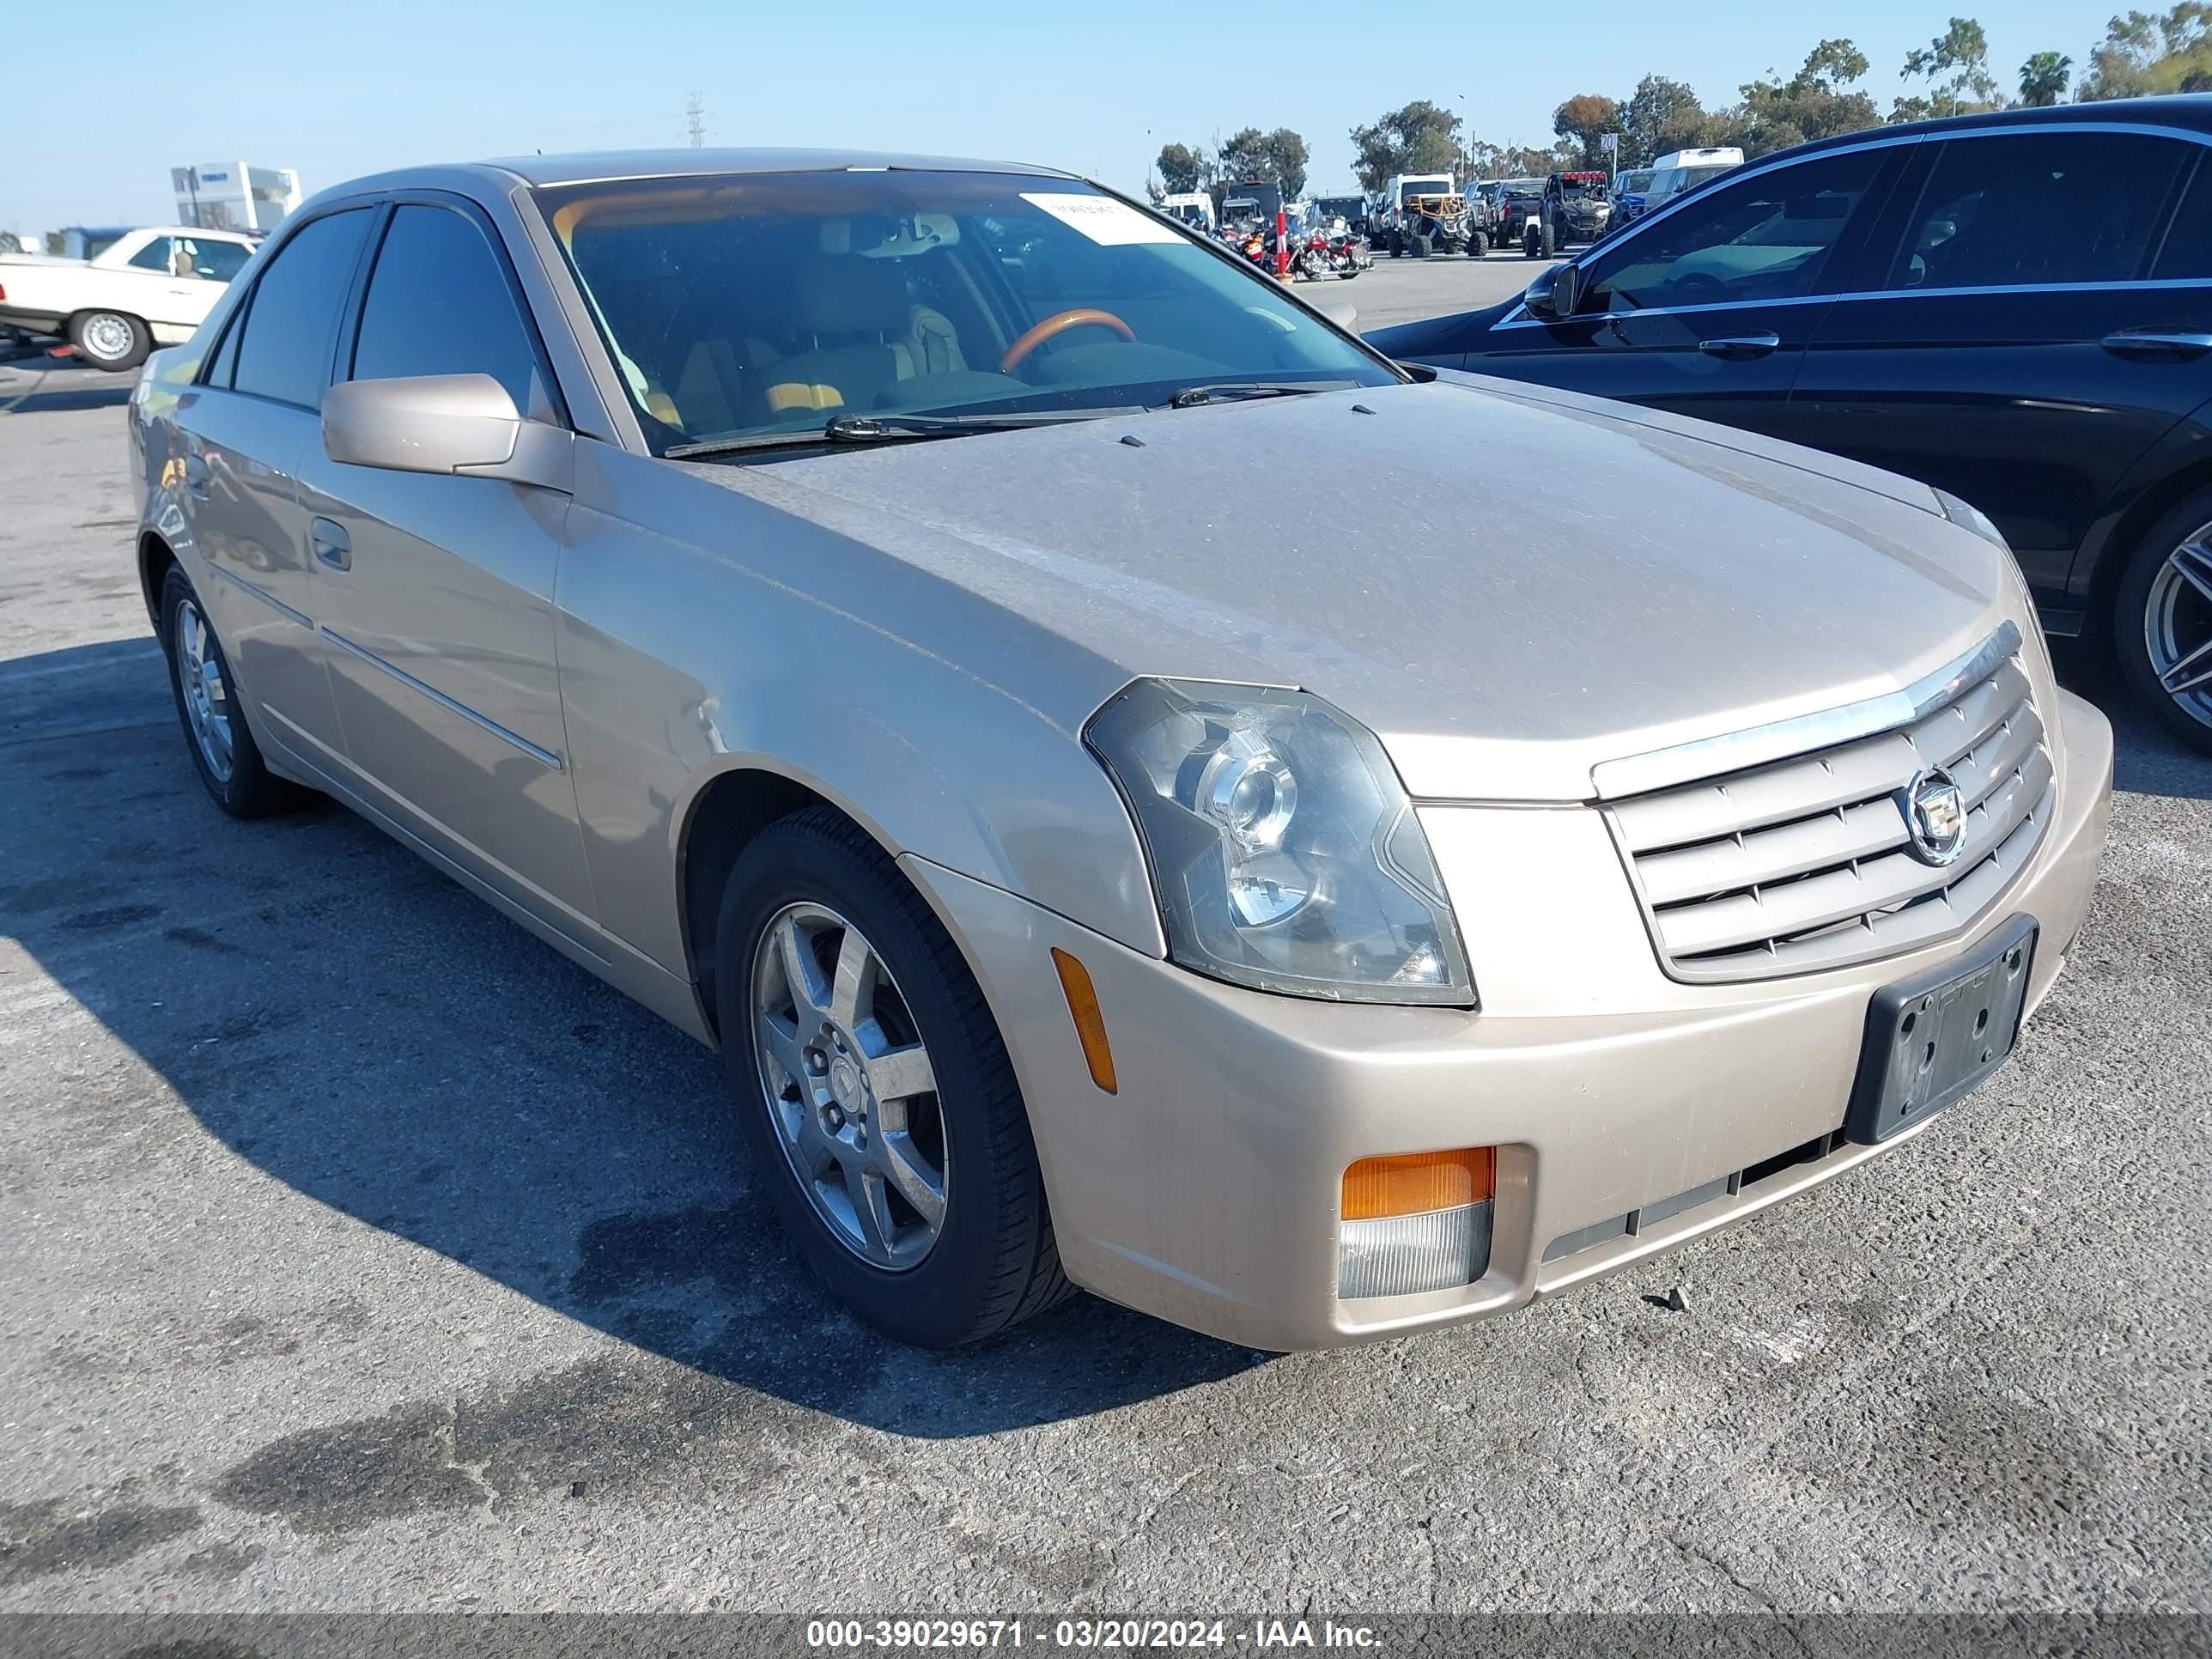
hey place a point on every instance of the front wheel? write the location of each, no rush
(2162, 621)
(1477, 246)
(110, 339)
(874, 1092)
(1529, 243)
(1422, 246)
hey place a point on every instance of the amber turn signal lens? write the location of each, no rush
(1417, 1182)
(1089, 1024)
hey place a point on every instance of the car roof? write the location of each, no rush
(2191, 111)
(592, 167)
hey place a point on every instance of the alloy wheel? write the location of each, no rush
(207, 698)
(2178, 625)
(849, 1087)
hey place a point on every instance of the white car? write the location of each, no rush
(146, 287)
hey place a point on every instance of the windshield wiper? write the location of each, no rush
(880, 428)
(1230, 392)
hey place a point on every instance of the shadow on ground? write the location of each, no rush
(369, 1033)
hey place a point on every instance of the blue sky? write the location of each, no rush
(336, 90)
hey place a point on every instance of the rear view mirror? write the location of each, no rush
(464, 425)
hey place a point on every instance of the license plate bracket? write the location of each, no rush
(1932, 1039)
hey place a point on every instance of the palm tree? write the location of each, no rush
(2043, 77)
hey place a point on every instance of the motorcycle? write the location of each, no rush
(1324, 253)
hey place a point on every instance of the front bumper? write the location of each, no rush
(1631, 1112)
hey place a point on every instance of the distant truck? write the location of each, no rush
(1193, 207)
(137, 290)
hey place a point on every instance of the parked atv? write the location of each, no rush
(1436, 224)
(1573, 214)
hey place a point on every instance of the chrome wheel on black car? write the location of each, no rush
(2162, 621)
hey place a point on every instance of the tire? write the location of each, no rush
(1528, 242)
(991, 1261)
(1397, 245)
(1422, 246)
(112, 340)
(1477, 246)
(225, 755)
(2157, 608)
(1549, 243)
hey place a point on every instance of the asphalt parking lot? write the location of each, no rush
(360, 1253)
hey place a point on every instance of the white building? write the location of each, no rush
(232, 196)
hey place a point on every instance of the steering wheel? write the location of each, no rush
(1059, 323)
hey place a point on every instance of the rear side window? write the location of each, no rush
(285, 351)
(438, 303)
(2037, 209)
(2188, 250)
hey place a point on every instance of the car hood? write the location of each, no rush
(1612, 582)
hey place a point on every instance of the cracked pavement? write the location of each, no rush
(363, 1253)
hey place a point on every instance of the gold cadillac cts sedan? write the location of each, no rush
(871, 610)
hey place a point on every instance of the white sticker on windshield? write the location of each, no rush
(1106, 222)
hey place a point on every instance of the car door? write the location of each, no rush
(2023, 334)
(440, 586)
(1707, 310)
(246, 425)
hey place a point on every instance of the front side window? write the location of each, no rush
(2038, 209)
(762, 303)
(292, 317)
(1767, 237)
(438, 304)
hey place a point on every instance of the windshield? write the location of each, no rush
(1634, 183)
(749, 304)
(1407, 192)
(1522, 187)
(1190, 212)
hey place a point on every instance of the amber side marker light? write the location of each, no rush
(1417, 1182)
(1089, 1024)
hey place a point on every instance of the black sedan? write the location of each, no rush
(2014, 308)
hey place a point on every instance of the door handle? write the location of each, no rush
(332, 546)
(1741, 345)
(196, 476)
(2157, 343)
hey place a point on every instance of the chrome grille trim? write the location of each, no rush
(1805, 863)
(1732, 751)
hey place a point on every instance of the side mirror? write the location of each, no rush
(463, 425)
(1553, 294)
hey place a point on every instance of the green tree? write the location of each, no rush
(2143, 53)
(2043, 77)
(1582, 120)
(1286, 153)
(1660, 115)
(1956, 66)
(1182, 169)
(1279, 157)
(1419, 138)
(1817, 102)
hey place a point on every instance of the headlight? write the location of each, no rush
(1285, 852)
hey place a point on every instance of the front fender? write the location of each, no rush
(703, 633)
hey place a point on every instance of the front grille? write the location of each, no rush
(1805, 863)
